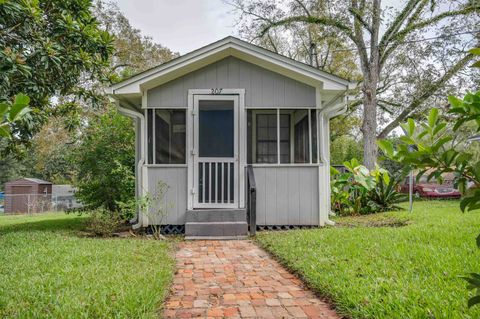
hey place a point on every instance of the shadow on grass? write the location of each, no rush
(60, 224)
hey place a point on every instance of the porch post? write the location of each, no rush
(324, 161)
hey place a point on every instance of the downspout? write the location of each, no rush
(330, 111)
(141, 161)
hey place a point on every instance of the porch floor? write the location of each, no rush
(239, 280)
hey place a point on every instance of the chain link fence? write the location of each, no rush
(37, 203)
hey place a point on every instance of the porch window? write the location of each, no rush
(166, 136)
(282, 136)
(266, 141)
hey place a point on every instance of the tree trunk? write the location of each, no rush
(369, 125)
(371, 72)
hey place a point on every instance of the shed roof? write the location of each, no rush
(29, 180)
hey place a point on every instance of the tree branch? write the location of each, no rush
(301, 4)
(396, 40)
(425, 94)
(357, 15)
(312, 20)
(360, 42)
(448, 14)
(386, 50)
(272, 42)
(399, 20)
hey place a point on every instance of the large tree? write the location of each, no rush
(56, 140)
(383, 40)
(133, 52)
(46, 47)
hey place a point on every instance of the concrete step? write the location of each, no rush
(215, 237)
(216, 229)
(216, 215)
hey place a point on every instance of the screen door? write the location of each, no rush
(216, 145)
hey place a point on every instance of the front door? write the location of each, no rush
(216, 151)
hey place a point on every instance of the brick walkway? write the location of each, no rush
(239, 280)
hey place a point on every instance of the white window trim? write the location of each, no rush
(280, 107)
(167, 107)
(277, 110)
(154, 151)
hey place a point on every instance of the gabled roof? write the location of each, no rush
(229, 46)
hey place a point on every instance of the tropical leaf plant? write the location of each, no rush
(426, 146)
(360, 191)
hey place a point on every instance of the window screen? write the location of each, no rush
(297, 138)
(166, 136)
(266, 141)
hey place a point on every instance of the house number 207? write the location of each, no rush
(216, 91)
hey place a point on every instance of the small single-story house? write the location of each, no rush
(226, 120)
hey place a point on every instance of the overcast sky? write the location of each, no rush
(186, 25)
(180, 25)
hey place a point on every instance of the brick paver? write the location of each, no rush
(236, 279)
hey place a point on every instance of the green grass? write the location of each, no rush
(409, 271)
(48, 271)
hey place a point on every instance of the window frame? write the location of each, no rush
(277, 110)
(151, 147)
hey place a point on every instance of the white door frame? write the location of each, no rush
(238, 96)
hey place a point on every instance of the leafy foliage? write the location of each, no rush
(12, 112)
(426, 145)
(105, 160)
(344, 148)
(133, 52)
(103, 223)
(385, 195)
(155, 207)
(48, 47)
(361, 191)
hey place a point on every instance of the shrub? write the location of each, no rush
(105, 158)
(386, 196)
(360, 191)
(102, 222)
(127, 210)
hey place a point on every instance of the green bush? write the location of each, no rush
(360, 191)
(102, 222)
(105, 159)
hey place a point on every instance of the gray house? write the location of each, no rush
(238, 133)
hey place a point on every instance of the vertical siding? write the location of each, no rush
(263, 87)
(287, 195)
(176, 197)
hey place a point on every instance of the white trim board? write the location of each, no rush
(216, 51)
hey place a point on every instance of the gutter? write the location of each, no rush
(330, 110)
(141, 161)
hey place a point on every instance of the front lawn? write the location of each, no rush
(392, 265)
(48, 271)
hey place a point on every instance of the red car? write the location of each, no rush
(431, 189)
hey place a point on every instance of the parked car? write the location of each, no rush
(431, 189)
